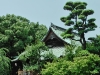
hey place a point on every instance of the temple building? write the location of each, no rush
(55, 41)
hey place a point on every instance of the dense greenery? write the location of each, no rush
(22, 38)
(77, 62)
(18, 34)
(83, 63)
(5, 67)
(78, 21)
(93, 46)
(33, 53)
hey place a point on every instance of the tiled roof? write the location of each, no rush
(58, 31)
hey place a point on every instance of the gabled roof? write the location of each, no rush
(57, 31)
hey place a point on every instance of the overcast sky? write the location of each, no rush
(46, 11)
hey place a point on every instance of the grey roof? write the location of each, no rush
(58, 31)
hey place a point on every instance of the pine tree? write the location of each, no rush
(78, 21)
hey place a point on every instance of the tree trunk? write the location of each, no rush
(83, 41)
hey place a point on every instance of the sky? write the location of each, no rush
(47, 11)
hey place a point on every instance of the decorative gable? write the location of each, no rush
(55, 41)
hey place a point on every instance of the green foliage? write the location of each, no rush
(30, 68)
(70, 51)
(49, 56)
(69, 22)
(83, 63)
(67, 33)
(94, 45)
(33, 53)
(75, 62)
(78, 20)
(4, 62)
(17, 32)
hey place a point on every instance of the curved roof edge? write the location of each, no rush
(57, 31)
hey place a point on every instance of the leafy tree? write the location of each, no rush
(49, 56)
(83, 63)
(33, 53)
(93, 46)
(42, 31)
(17, 32)
(4, 62)
(78, 21)
(70, 50)
(34, 49)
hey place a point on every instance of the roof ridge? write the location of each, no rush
(57, 27)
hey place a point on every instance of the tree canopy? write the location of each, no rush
(5, 66)
(78, 21)
(17, 32)
(93, 46)
(84, 63)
